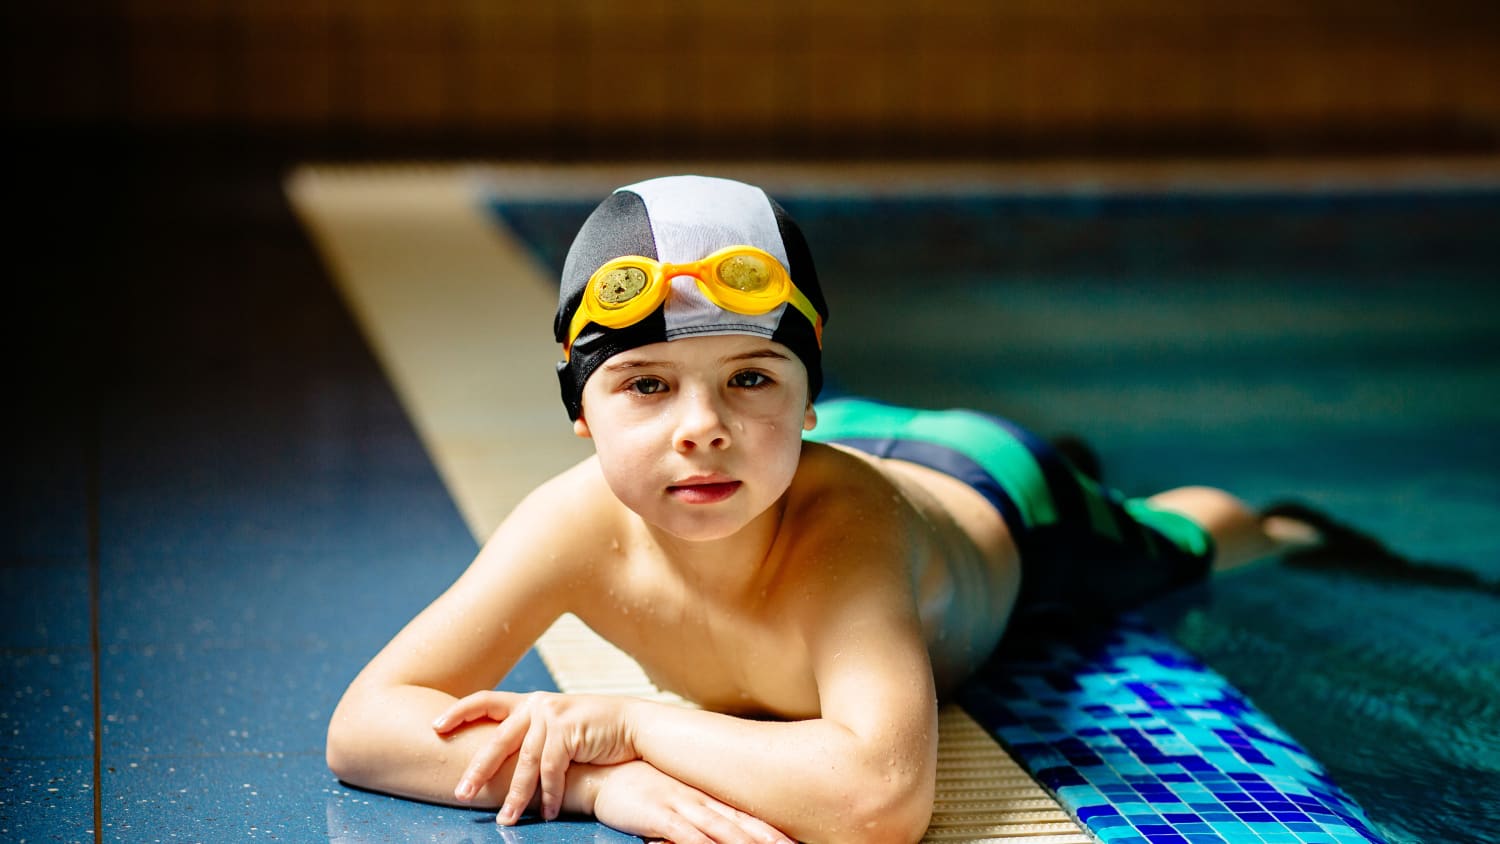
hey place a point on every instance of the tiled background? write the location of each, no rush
(835, 77)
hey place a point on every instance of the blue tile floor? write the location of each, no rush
(207, 468)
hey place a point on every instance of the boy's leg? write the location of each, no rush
(1240, 534)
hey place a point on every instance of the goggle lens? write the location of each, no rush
(746, 273)
(620, 285)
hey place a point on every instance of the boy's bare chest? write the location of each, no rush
(726, 660)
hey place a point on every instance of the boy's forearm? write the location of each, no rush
(815, 780)
(383, 740)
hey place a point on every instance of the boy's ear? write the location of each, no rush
(581, 427)
(809, 418)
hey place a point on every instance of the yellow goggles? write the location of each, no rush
(742, 279)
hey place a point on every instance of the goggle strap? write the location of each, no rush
(800, 301)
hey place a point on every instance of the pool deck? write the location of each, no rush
(228, 489)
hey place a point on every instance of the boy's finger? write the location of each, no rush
(718, 826)
(524, 778)
(555, 760)
(680, 830)
(458, 712)
(493, 705)
(492, 754)
(755, 828)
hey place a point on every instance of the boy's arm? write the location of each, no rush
(863, 771)
(633, 797)
(380, 736)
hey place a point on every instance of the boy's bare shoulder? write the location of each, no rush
(562, 524)
(829, 477)
(841, 506)
(575, 492)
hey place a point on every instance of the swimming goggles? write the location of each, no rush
(742, 279)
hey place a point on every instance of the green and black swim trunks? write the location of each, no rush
(1083, 547)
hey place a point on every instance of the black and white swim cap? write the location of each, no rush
(681, 219)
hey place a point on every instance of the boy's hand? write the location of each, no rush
(546, 733)
(638, 799)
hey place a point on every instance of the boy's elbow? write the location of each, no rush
(342, 751)
(902, 819)
(338, 753)
(892, 809)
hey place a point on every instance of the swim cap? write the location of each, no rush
(680, 219)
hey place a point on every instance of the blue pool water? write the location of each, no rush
(1337, 348)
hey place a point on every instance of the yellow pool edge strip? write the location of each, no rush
(457, 312)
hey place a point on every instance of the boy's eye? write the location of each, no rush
(646, 386)
(749, 379)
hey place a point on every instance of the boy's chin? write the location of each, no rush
(708, 530)
(705, 527)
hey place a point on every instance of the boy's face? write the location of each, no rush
(699, 436)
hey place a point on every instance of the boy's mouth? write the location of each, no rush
(704, 489)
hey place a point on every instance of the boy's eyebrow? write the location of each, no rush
(622, 365)
(753, 355)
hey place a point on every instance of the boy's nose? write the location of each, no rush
(701, 424)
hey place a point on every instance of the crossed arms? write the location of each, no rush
(412, 723)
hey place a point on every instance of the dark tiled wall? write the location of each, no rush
(834, 76)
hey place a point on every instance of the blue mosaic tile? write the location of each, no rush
(1143, 744)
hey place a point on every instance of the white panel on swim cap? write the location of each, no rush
(694, 216)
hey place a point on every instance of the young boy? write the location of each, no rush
(815, 594)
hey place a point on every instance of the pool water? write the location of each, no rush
(1338, 348)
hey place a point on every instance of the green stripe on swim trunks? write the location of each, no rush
(1180, 530)
(1004, 457)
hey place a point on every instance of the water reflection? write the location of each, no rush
(579, 830)
(357, 817)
